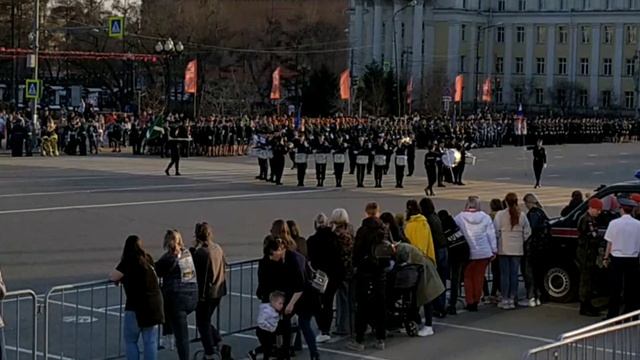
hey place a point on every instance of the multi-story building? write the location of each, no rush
(578, 54)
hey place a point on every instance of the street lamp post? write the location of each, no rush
(168, 47)
(476, 70)
(36, 51)
(395, 50)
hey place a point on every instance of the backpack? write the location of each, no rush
(457, 245)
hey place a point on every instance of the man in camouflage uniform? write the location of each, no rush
(587, 254)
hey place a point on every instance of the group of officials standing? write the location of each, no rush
(363, 153)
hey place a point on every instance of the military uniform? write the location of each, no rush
(340, 150)
(322, 150)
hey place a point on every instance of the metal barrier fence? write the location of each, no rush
(84, 321)
(21, 324)
(614, 339)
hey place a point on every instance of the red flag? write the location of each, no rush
(410, 91)
(486, 90)
(275, 84)
(345, 85)
(459, 85)
(191, 77)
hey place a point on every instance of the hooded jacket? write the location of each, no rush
(418, 232)
(371, 233)
(478, 229)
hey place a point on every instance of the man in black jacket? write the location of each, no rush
(370, 279)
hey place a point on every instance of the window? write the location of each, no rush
(517, 95)
(541, 34)
(501, 5)
(522, 5)
(498, 95)
(464, 4)
(539, 96)
(583, 98)
(606, 66)
(463, 32)
(540, 66)
(585, 32)
(500, 34)
(584, 66)
(519, 65)
(563, 4)
(520, 34)
(499, 65)
(561, 96)
(631, 34)
(630, 67)
(562, 66)
(462, 63)
(586, 4)
(606, 98)
(607, 4)
(563, 34)
(607, 37)
(629, 100)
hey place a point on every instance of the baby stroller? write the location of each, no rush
(402, 283)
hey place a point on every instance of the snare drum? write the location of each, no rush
(380, 160)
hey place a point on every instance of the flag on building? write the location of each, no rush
(410, 91)
(459, 86)
(191, 77)
(345, 85)
(486, 90)
(275, 84)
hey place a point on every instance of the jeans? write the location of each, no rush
(344, 308)
(208, 333)
(440, 302)
(304, 322)
(178, 305)
(533, 282)
(457, 269)
(428, 314)
(509, 268)
(131, 335)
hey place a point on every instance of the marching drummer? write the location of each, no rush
(340, 149)
(361, 150)
(380, 151)
(401, 160)
(322, 150)
(302, 151)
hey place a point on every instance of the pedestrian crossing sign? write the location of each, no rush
(33, 88)
(116, 27)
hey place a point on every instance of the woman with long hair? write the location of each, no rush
(301, 242)
(179, 289)
(344, 297)
(394, 230)
(210, 264)
(280, 229)
(428, 210)
(512, 229)
(143, 311)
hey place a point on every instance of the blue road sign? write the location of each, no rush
(33, 89)
(116, 27)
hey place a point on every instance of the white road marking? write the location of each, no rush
(495, 332)
(502, 178)
(553, 175)
(598, 172)
(592, 155)
(113, 189)
(159, 202)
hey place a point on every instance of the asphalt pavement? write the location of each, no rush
(64, 220)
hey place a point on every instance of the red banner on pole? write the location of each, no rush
(191, 77)
(459, 86)
(345, 85)
(275, 84)
(486, 90)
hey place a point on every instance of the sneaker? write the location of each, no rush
(380, 345)
(425, 331)
(322, 338)
(526, 303)
(511, 305)
(503, 304)
(355, 346)
(532, 302)
(538, 303)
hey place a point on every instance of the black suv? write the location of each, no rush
(561, 280)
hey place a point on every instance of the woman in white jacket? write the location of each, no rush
(512, 229)
(478, 229)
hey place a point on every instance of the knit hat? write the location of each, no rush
(596, 203)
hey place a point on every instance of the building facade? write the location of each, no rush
(577, 54)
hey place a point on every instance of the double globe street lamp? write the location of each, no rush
(171, 50)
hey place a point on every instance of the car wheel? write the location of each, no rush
(560, 284)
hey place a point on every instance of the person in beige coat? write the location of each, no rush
(512, 229)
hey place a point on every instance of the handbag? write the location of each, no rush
(318, 279)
